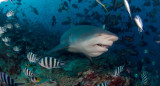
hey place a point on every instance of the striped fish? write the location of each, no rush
(104, 84)
(7, 80)
(145, 78)
(32, 57)
(28, 72)
(2, 30)
(118, 70)
(50, 62)
(34, 79)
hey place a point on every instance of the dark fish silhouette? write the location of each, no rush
(54, 20)
(75, 6)
(35, 11)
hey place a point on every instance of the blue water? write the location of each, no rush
(39, 33)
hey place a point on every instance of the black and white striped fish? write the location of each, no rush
(32, 57)
(118, 70)
(7, 80)
(28, 72)
(2, 30)
(50, 62)
(35, 79)
(145, 78)
(104, 84)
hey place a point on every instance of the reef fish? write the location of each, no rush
(118, 70)
(127, 7)
(139, 23)
(16, 48)
(34, 79)
(7, 80)
(145, 78)
(10, 13)
(6, 39)
(104, 6)
(2, 30)
(89, 40)
(32, 57)
(50, 62)
(28, 72)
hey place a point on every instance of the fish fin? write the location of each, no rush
(130, 16)
(58, 48)
(62, 64)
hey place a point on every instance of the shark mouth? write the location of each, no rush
(102, 45)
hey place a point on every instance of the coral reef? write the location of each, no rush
(90, 78)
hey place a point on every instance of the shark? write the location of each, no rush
(89, 40)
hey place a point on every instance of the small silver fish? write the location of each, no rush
(9, 26)
(16, 25)
(6, 39)
(139, 23)
(157, 41)
(50, 62)
(118, 70)
(16, 48)
(127, 7)
(10, 13)
(2, 30)
(32, 57)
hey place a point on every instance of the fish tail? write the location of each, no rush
(62, 64)
(105, 8)
(130, 16)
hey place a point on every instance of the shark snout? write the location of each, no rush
(113, 38)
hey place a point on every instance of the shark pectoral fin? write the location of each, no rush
(57, 48)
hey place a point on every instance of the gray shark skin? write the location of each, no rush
(89, 40)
